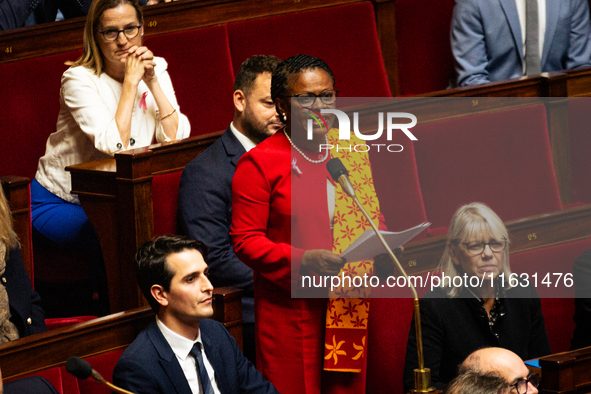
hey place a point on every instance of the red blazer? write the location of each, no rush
(289, 331)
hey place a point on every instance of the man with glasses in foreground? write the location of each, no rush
(506, 365)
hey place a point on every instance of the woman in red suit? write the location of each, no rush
(283, 236)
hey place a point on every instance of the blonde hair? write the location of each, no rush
(7, 235)
(92, 57)
(471, 222)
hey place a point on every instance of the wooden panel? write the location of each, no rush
(65, 36)
(52, 348)
(579, 83)
(385, 22)
(117, 197)
(568, 372)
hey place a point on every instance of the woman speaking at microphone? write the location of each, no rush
(457, 320)
(290, 220)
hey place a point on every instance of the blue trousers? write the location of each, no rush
(62, 222)
(66, 225)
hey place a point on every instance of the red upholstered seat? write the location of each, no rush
(388, 333)
(425, 61)
(29, 110)
(351, 50)
(388, 328)
(60, 379)
(201, 72)
(103, 364)
(502, 159)
(65, 383)
(579, 118)
(60, 322)
(397, 185)
(165, 191)
(558, 312)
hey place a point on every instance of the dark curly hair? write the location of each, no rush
(294, 65)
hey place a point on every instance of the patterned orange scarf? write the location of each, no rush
(347, 318)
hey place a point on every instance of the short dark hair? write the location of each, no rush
(473, 382)
(251, 68)
(151, 266)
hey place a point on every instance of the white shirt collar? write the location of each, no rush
(180, 345)
(246, 142)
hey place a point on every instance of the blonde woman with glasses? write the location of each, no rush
(475, 306)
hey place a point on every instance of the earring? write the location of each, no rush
(284, 117)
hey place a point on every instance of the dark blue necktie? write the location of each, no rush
(201, 371)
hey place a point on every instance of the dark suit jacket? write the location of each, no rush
(14, 13)
(487, 45)
(205, 213)
(149, 365)
(453, 328)
(24, 303)
(30, 385)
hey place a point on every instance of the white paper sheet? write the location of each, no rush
(368, 245)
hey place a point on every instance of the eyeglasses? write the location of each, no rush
(476, 248)
(521, 383)
(113, 34)
(307, 99)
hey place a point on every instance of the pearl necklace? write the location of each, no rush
(302, 153)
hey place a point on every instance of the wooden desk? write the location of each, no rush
(117, 331)
(568, 372)
(117, 197)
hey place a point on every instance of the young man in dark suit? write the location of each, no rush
(182, 351)
(205, 191)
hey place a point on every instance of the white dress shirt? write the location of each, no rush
(86, 127)
(246, 142)
(181, 347)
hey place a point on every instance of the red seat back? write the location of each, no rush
(500, 158)
(345, 37)
(397, 184)
(30, 106)
(165, 191)
(558, 312)
(388, 327)
(201, 74)
(425, 61)
(103, 364)
(579, 118)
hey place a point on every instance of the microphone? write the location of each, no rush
(422, 375)
(83, 370)
(339, 173)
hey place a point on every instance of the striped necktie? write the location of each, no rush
(201, 371)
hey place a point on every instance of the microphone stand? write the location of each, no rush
(422, 375)
(96, 376)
